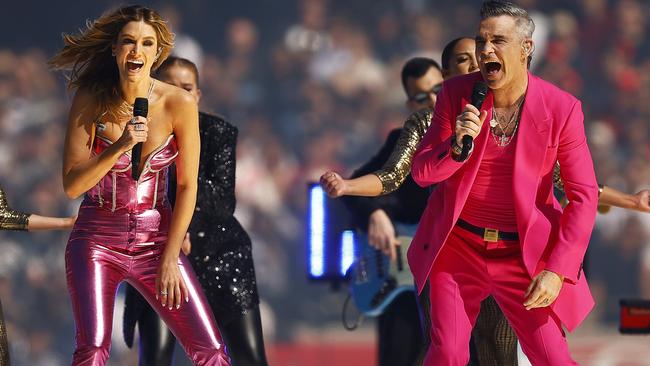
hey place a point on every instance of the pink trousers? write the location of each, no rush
(107, 248)
(466, 271)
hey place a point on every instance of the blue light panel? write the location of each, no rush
(347, 250)
(317, 223)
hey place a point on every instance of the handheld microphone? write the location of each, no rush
(478, 96)
(140, 109)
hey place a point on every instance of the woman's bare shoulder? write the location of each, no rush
(84, 105)
(84, 96)
(174, 96)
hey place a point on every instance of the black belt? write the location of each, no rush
(487, 233)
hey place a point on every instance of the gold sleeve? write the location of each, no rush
(557, 178)
(10, 219)
(398, 165)
(559, 184)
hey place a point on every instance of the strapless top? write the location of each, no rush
(118, 191)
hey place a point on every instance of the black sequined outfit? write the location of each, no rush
(221, 250)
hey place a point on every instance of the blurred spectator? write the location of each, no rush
(309, 34)
(184, 45)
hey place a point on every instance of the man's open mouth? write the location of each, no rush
(492, 67)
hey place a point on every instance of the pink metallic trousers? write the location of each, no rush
(106, 248)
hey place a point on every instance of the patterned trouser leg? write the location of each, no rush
(496, 342)
(4, 346)
(425, 320)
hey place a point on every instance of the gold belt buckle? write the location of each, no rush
(491, 235)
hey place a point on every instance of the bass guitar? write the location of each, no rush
(375, 280)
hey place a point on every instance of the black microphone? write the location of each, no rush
(478, 96)
(140, 109)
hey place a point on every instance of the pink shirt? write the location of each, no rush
(490, 203)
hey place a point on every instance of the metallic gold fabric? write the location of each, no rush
(398, 166)
(557, 178)
(10, 219)
(559, 184)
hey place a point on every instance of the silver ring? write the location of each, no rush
(133, 121)
(139, 127)
(164, 293)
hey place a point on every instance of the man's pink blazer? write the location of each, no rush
(551, 129)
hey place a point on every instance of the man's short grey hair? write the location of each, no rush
(524, 22)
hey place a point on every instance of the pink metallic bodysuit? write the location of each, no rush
(120, 234)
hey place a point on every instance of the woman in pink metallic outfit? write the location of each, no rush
(125, 229)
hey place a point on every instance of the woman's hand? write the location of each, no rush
(643, 200)
(381, 234)
(135, 131)
(333, 184)
(186, 247)
(170, 287)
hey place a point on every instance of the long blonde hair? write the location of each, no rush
(87, 56)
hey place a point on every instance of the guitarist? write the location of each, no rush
(399, 331)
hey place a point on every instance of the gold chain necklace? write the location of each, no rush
(126, 110)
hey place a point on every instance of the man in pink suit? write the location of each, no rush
(492, 225)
